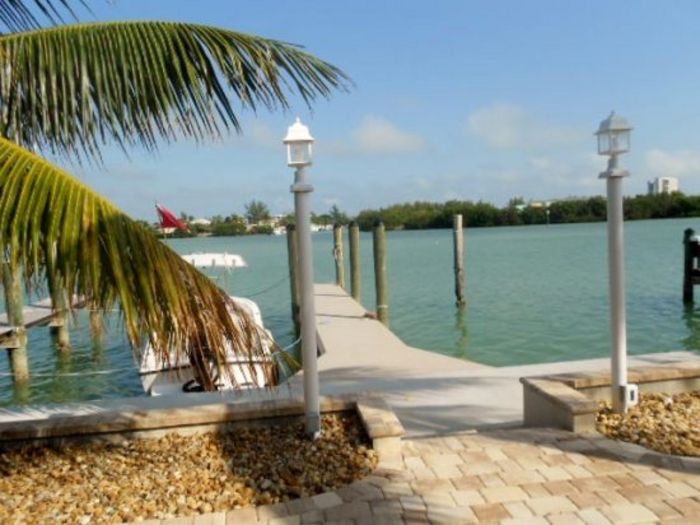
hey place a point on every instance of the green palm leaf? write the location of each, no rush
(72, 89)
(18, 15)
(62, 232)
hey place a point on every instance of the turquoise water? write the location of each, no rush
(535, 294)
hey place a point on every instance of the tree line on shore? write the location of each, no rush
(256, 219)
(427, 215)
(421, 215)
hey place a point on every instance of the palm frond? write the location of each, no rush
(19, 15)
(60, 231)
(71, 89)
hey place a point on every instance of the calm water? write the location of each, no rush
(535, 294)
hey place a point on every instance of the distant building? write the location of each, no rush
(201, 222)
(662, 185)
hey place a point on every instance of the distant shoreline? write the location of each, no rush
(431, 215)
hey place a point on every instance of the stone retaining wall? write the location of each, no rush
(570, 401)
(381, 424)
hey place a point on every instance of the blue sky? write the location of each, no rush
(453, 99)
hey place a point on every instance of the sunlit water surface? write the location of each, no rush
(535, 294)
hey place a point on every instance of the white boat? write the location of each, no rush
(176, 376)
(215, 260)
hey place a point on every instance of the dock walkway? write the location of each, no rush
(35, 313)
(432, 394)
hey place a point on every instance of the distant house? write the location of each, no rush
(662, 185)
(201, 222)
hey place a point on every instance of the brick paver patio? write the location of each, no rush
(514, 476)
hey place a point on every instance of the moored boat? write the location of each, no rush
(176, 375)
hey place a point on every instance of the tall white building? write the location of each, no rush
(662, 185)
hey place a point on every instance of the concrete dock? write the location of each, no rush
(35, 314)
(432, 394)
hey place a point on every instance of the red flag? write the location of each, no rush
(168, 220)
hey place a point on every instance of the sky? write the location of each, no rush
(452, 99)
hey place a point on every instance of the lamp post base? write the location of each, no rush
(313, 424)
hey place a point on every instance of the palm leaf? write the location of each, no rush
(71, 89)
(60, 231)
(18, 15)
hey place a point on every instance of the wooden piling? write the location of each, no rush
(355, 287)
(294, 285)
(59, 325)
(459, 260)
(690, 246)
(380, 280)
(339, 255)
(11, 278)
(97, 325)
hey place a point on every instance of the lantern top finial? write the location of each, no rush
(614, 123)
(297, 132)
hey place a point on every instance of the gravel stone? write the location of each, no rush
(180, 475)
(662, 422)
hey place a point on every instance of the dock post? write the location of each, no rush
(11, 278)
(339, 255)
(293, 258)
(354, 232)
(459, 259)
(97, 325)
(59, 325)
(689, 244)
(379, 238)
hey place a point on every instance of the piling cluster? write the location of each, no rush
(379, 256)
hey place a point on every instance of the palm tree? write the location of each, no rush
(70, 90)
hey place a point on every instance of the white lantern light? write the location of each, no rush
(613, 135)
(298, 141)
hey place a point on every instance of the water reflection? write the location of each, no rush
(60, 387)
(691, 317)
(21, 392)
(462, 340)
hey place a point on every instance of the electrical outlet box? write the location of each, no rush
(630, 393)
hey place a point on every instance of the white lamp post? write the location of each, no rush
(299, 141)
(613, 140)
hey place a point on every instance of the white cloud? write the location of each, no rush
(506, 126)
(376, 136)
(262, 135)
(540, 163)
(561, 176)
(672, 164)
(423, 183)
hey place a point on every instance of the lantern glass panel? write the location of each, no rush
(620, 141)
(299, 153)
(603, 143)
(614, 142)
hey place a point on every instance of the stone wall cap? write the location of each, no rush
(638, 374)
(562, 394)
